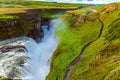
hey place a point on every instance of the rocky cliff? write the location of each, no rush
(26, 22)
(23, 24)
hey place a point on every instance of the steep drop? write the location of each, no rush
(41, 53)
(30, 62)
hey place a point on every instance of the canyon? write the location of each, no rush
(80, 43)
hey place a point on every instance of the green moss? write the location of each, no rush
(101, 60)
(72, 40)
(7, 17)
(114, 30)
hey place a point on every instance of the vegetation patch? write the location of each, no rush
(101, 59)
(73, 38)
(36, 4)
(6, 17)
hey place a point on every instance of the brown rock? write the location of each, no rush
(7, 48)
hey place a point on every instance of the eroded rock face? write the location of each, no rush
(108, 8)
(16, 28)
(82, 19)
(26, 24)
(38, 33)
(76, 18)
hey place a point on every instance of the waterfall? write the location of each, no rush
(40, 54)
(36, 63)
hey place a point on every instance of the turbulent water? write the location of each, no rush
(12, 61)
(42, 53)
(31, 62)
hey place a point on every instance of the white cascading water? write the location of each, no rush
(37, 64)
(12, 62)
(40, 54)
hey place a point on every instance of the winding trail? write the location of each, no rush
(77, 59)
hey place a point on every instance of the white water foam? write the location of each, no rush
(40, 55)
(37, 65)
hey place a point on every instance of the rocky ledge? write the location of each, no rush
(23, 24)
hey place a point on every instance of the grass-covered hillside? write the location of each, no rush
(35, 4)
(100, 60)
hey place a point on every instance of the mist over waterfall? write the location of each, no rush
(31, 62)
(40, 54)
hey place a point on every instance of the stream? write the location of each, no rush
(31, 62)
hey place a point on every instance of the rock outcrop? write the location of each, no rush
(25, 24)
(76, 18)
(110, 7)
(8, 48)
(37, 32)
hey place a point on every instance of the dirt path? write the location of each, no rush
(77, 59)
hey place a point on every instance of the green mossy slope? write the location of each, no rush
(77, 33)
(101, 60)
